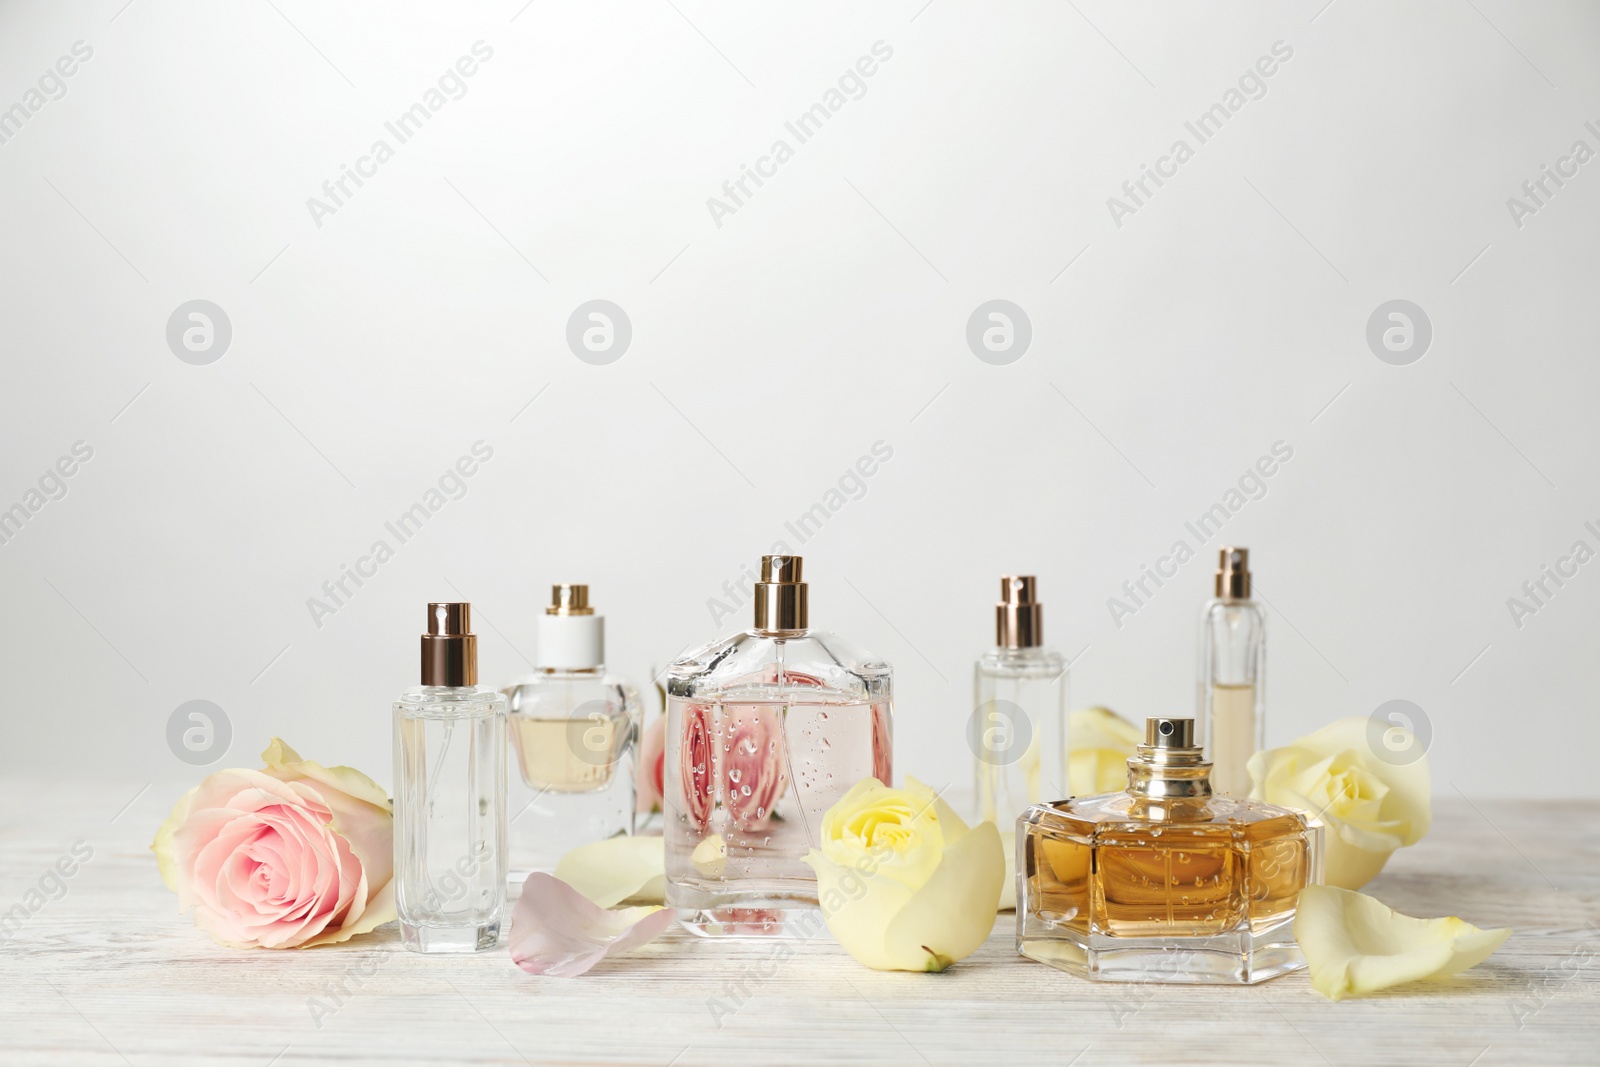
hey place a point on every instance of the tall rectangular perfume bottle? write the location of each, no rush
(450, 795)
(766, 730)
(1018, 729)
(1233, 675)
(574, 729)
(1164, 882)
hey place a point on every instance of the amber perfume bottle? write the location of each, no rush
(1164, 882)
(1232, 675)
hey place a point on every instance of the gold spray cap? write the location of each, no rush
(1169, 764)
(1018, 617)
(781, 600)
(569, 600)
(450, 648)
(1233, 573)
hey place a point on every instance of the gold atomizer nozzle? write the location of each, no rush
(1168, 763)
(450, 648)
(780, 596)
(1233, 573)
(569, 600)
(1018, 616)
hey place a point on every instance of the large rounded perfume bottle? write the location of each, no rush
(766, 729)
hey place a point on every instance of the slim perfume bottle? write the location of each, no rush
(450, 795)
(766, 730)
(1018, 730)
(574, 729)
(1164, 882)
(1232, 677)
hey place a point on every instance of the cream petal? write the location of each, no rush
(1355, 944)
(285, 763)
(950, 917)
(857, 904)
(617, 870)
(162, 846)
(1008, 884)
(559, 932)
(1099, 744)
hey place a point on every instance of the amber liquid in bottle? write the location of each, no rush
(1164, 882)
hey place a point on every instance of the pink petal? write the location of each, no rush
(557, 931)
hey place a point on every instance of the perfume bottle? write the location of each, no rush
(450, 795)
(766, 730)
(574, 729)
(1164, 882)
(1018, 731)
(1232, 677)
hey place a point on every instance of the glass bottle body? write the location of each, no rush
(574, 734)
(1232, 690)
(1018, 733)
(1120, 887)
(449, 817)
(765, 732)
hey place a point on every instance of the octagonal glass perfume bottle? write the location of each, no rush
(766, 730)
(1164, 882)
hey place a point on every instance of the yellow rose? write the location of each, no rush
(1100, 742)
(904, 884)
(1369, 803)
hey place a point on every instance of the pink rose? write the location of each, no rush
(751, 765)
(694, 764)
(290, 856)
(754, 765)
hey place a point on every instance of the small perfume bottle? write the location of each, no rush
(1018, 731)
(450, 795)
(1232, 677)
(766, 730)
(574, 729)
(1164, 882)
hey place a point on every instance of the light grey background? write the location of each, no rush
(827, 313)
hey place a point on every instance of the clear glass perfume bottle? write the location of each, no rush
(574, 729)
(450, 795)
(766, 730)
(1018, 731)
(1164, 882)
(1233, 675)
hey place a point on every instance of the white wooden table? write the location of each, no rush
(110, 974)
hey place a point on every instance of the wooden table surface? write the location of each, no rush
(109, 973)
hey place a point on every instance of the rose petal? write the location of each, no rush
(1008, 884)
(950, 917)
(559, 932)
(617, 870)
(1100, 742)
(1354, 944)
